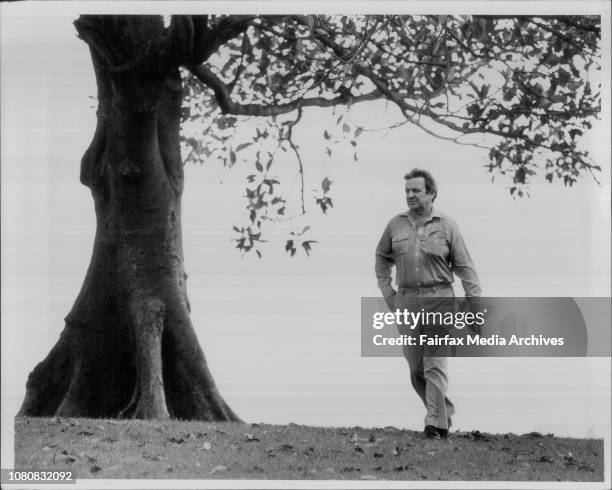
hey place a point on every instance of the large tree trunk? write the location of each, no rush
(128, 348)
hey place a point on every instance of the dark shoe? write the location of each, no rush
(443, 433)
(431, 432)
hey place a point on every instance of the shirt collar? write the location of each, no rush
(434, 214)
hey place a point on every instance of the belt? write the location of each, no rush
(422, 290)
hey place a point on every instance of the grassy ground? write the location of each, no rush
(96, 448)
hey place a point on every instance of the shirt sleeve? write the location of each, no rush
(462, 265)
(384, 262)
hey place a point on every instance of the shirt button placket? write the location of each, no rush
(416, 255)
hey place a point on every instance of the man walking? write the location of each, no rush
(426, 248)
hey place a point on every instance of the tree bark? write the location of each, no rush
(128, 348)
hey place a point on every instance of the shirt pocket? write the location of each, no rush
(400, 243)
(435, 243)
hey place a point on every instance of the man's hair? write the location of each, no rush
(430, 183)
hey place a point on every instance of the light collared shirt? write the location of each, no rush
(424, 256)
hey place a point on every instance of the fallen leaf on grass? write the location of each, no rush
(286, 447)
(206, 446)
(152, 457)
(358, 449)
(176, 440)
(95, 469)
(379, 455)
(546, 459)
(218, 469)
(397, 451)
(251, 438)
(368, 477)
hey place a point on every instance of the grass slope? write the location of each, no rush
(97, 448)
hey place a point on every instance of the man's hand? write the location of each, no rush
(471, 304)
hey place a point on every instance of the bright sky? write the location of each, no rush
(282, 335)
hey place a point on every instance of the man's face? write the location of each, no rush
(417, 197)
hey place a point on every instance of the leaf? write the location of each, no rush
(259, 166)
(288, 245)
(176, 440)
(218, 469)
(232, 157)
(258, 253)
(242, 146)
(326, 184)
(346, 128)
(326, 135)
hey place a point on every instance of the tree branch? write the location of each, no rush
(228, 106)
(289, 138)
(228, 28)
(557, 34)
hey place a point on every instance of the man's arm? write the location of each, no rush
(462, 264)
(383, 266)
